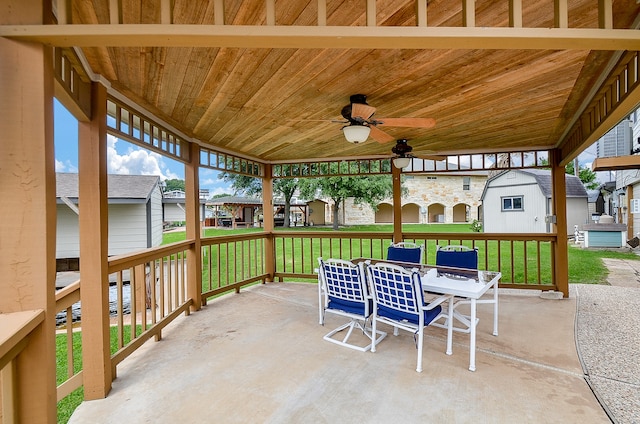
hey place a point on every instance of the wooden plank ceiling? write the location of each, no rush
(278, 104)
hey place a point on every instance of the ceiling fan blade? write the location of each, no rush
(359, 110)
(407, 122)
(437, 158)
(379, 135)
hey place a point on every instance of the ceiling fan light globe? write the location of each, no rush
(401, 162)
(356, 133)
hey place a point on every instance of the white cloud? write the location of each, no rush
(65, 166)
(135, 162)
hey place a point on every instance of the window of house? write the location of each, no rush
(466, 183)
(512, 203)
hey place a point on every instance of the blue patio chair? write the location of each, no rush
(458, 256)
(346, 294)
(405, 252)
(398, 301)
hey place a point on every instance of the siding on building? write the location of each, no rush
(534, 187)
(134, 214)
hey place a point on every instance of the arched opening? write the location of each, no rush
(436, 212)
(461, 213)
(411, 214)
(384, 214)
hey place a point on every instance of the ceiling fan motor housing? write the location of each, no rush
(401, 148)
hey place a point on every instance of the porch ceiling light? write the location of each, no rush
(356, 133)
(401, 161)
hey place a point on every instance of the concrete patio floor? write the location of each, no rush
(259, 356)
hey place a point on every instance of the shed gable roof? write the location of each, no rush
(134, 187)
(575, 188)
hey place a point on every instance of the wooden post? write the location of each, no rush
(267, 212)
(397, 203)
(194, 256)
(94, 250)
(630, 233)
(559, 209)
(28, 209)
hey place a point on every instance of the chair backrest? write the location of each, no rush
(397, 292)
(405, 252)
(344, 284)
(457, 256)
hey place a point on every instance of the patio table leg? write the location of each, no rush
(450, 328)
(472, 337)
(495, 309)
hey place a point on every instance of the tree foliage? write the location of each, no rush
(252, 186)
(174, 184)
(370, 189)
(586, 175)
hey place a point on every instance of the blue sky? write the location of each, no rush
(122, 157)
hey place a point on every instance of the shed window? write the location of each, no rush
(513, 203)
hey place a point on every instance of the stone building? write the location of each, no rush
(429, 198)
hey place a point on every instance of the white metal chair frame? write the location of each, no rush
(398, 301)
(342, 290)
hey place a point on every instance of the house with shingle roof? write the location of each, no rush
(134, 210)
(517, 201)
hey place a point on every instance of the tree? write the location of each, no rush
(586, 175)
(369, 189)
(252, 186)
(174, 184)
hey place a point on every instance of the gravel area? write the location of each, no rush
(608, 343)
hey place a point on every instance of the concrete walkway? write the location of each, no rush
(608, 339)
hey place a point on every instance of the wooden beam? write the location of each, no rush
(371, 13)
(94, 250)
(616, 163)
(267, 221)
(421, 13)
(165, 12)
(322, 12)
(515, 13)
(561, 14)
(115, 12)
(630, 233)
(270, 6)
(193, 218)
(596, 120)
(469, 13)
(396, 174)
(559, 210)
(156, 35)
(605, 14)
(28, 211)
(218, 12)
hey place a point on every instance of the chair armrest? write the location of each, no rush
(438, 301)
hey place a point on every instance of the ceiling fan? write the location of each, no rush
(403, 157)
(359, 117)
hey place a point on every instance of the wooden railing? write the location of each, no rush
(65, 299)
(525, 260)
(230, 262)
(15, 330)
(157, 283)
(157, 291)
